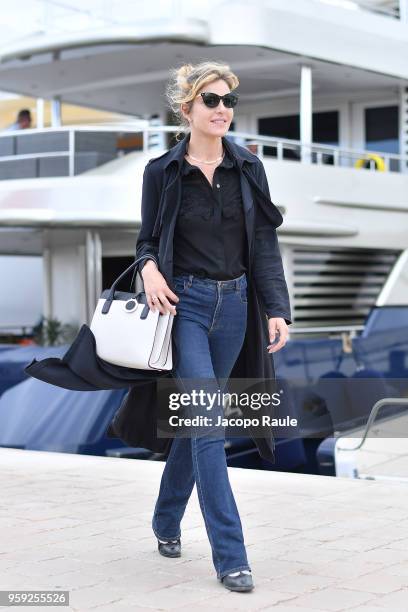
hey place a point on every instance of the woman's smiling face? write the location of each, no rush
(210, 121)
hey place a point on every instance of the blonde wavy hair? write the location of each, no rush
(187, 80)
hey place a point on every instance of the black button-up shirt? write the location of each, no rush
(209, 235)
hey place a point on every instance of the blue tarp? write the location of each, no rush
(38, 416)
(14, 358)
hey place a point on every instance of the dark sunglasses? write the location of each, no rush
(212, 100)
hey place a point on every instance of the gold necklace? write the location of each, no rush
(207, 162)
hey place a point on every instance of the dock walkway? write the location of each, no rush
(82, 523)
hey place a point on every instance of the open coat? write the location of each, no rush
(135, 422)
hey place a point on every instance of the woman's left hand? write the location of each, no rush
(277, 326)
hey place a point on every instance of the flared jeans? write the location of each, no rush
(208, 332)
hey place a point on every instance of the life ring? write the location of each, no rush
(364, 163)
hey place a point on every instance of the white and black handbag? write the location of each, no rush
(127, 332)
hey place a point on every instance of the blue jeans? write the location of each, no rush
(208, 331)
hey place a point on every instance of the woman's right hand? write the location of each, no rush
(155, 285)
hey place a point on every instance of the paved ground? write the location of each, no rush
(82, 523)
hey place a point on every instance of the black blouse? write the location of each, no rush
(209, 235)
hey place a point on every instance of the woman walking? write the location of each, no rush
(210, 301)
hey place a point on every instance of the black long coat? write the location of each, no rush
(135, 423)
(267, 289)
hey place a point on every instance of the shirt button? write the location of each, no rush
(218, 185)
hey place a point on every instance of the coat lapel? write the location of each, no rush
(268, 207)
(249, 212)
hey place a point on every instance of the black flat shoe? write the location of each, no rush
(170, 548)
(238, 581)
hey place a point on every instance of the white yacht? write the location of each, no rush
(323, 101)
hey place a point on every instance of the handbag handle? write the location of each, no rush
(137, 270)
(111, 295)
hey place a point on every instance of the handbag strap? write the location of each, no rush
(134, 266)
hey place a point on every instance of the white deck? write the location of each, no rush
(82, 523)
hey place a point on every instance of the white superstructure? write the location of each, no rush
(323, 86)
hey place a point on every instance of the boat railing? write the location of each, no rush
(65, 150)
(378, 406)
(324, 154)
(72, 150)
(379, 459)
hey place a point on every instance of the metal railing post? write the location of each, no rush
(71, 152)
